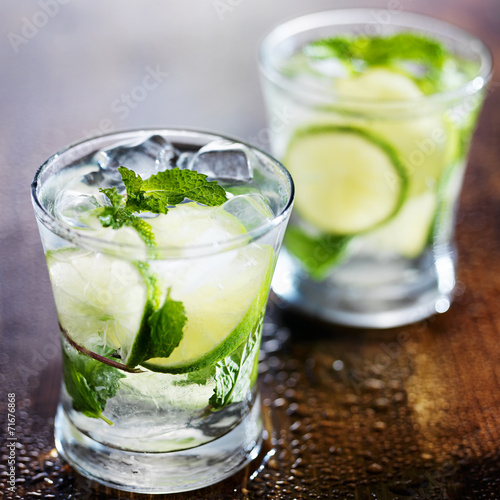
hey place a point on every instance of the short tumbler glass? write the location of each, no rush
(370, 241)
(192, 417)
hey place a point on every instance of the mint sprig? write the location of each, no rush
(90, 383)
(170, 187)
(117, 215)
(235, 374)
(156, 194)
(359, 52)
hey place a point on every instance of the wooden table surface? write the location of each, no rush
(411, 412)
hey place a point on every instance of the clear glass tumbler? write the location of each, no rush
(377, 152)
(160, 319)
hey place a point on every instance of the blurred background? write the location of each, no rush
(71, 69)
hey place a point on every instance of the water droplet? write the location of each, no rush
(375, 468)
(338, 365)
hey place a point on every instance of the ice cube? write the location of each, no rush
(184, 160)
(145, 158)
(224, 159)
(252, 210)
(73, 208)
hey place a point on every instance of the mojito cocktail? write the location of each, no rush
(375, 121)
(160, 247)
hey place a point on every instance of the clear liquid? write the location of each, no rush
(159, 412)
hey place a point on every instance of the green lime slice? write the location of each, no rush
(191, 224)
(347, 180)
(379, 84)
(222, 309)
(101, 300)
(408, 233)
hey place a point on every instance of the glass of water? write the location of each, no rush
(160, 247)
(373, 120)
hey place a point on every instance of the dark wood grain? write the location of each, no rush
(408, 413)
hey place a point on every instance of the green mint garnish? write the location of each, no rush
(169, 187)
(90, 383)
(235, 374)
(166, 325)
(156, 194)
(117, 215)
(317, 255)
(360, 52)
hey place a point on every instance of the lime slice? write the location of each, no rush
(101, 300)
(408, 233)
(379, 84)
(348, 180)
(191, 224)
(224, 299)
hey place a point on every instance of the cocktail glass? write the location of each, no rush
(378, 162)
(190, 417)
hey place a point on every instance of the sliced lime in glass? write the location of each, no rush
(379, 84)
(347, 180)
(408, 233)
(101, 300)
(222, 310)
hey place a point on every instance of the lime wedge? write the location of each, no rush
(348, 180)
(223, 305)
(101, 300)
(222, 294)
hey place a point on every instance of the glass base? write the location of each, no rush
(367, 295)
(170, 472)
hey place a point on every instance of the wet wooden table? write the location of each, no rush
(408, 413)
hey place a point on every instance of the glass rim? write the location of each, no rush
(367, 16)
(93, 243)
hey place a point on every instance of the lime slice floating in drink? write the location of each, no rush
(379, 84)
(220, 321)
(348, 180)
(408, 233)
(223, 294)
(101, 300)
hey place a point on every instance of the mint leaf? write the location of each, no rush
(170, 187)
(117, 215)
(90, 383)
(317, 255)
(155, 194)
(237, 373)
(166, 325)
(398, 49)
